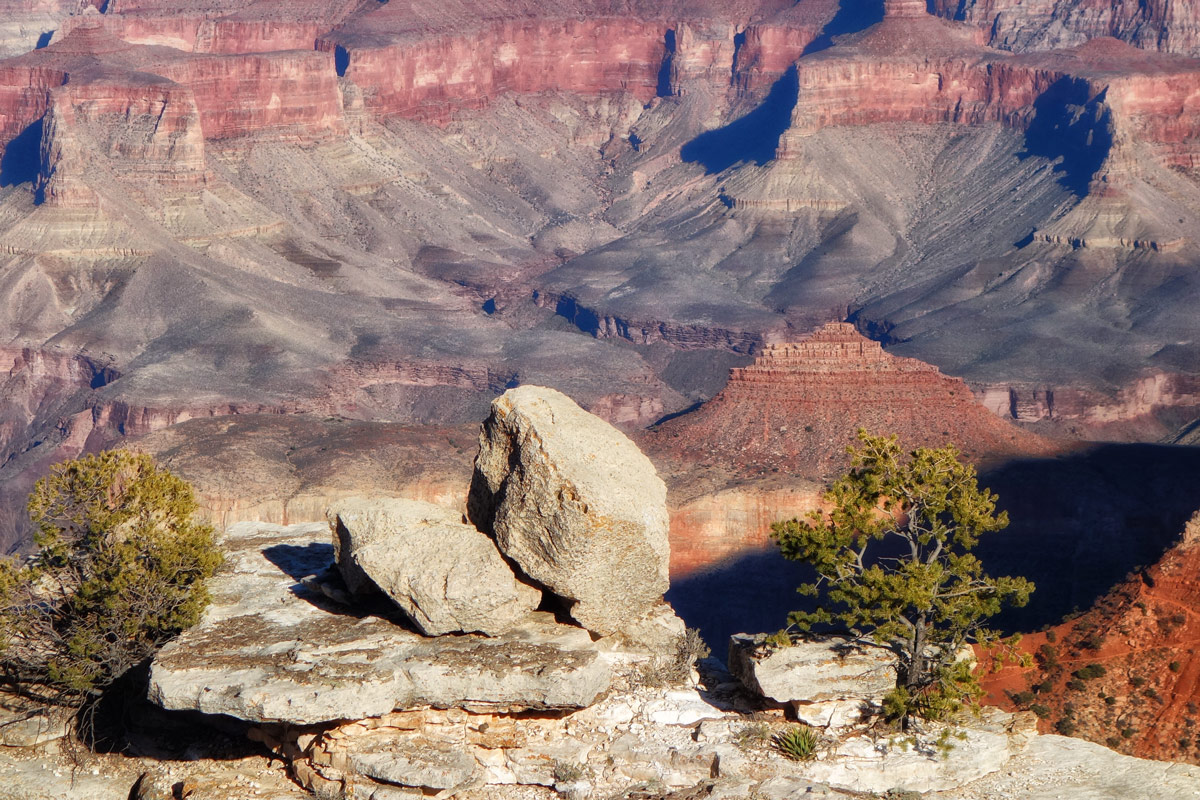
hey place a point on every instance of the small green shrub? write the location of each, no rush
(1137, 681)
(798, 742)
(1175, 666)
(1128, 732)
(1066, 726)
(1047, 656)
(571, 771)
(1093, 641)
(120, 569)
(1076, 685)
(1040, 710)
(780, 638)
(1091, 672)
(675, 669)
(752, 735)
(1110, 701)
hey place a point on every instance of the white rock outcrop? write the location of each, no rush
(270, 650)
(445, 575)
(575, 504)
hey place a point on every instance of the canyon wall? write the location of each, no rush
(1025, 25)
(291, 94)
(428, 78)
(1125, 95)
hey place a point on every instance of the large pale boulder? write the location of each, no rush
(575, 504)
(444, 574)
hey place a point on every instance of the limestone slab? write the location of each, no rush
(270, 650)
(445, 575)
(811, 672)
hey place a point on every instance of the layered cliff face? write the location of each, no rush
(1047, 24)
(426, 63)
(286, 94)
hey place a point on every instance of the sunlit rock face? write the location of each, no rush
(1040, 25)
(391, 213)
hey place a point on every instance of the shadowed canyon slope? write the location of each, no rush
(387, 213)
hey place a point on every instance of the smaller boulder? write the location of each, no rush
(445, 575)
(826, 682)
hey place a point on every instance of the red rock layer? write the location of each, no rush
(1139, 646)
(431, 77)
(425, 61)
(293, 94)
(202, 34)
(156, 136)
(715, 528)
(25, 96)
(916, 68)
(798, 406)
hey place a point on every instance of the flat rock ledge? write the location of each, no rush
(270, 650)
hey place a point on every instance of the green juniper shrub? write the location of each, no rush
(1065, 726)
(1090, 672)
(120, 568)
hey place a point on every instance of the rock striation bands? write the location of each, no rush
(799, 404)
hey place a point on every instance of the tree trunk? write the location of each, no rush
(914, 679)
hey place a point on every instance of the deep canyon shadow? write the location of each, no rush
(852, 16)
(1079, 525)
(751, 138)
(22, 157)
(1071, 125)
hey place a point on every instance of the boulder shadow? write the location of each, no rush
(312, 565)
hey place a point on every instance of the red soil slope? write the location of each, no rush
(1127, 672)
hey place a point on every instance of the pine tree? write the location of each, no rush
(892, 553)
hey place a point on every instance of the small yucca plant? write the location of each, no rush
(798, 742)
